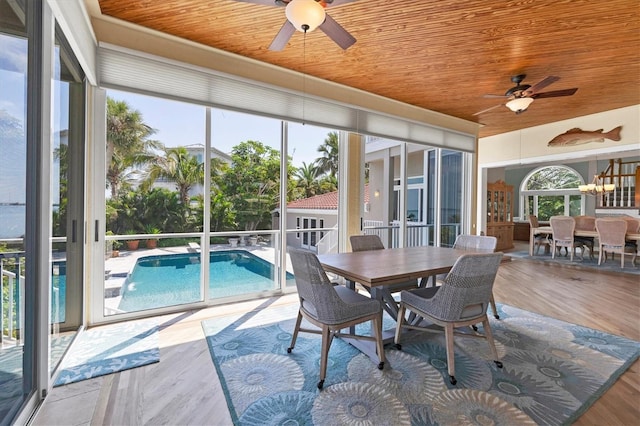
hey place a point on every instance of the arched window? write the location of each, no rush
(551, 190)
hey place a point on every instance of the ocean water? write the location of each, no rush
(12, 219)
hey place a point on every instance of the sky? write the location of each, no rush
(179, 124)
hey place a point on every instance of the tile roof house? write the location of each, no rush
(320, 212)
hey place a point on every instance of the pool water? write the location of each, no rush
(158, 281)
(58, 292)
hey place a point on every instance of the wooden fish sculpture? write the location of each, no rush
(577, 136)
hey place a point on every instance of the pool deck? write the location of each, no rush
(117, 269)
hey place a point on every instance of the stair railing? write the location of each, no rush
(624, 175)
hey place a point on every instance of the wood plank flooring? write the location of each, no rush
(183, 388)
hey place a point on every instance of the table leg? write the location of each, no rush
(532, 240)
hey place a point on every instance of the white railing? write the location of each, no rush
(11, 309)
(624, 176)
(329, 242)
(418, 234)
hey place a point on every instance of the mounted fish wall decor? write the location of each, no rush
(577, 136)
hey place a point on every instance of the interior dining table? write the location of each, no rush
(379, 270)
(578, 232)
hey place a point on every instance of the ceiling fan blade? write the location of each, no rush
(282, 38)
(494, 96)
(263, 2)
(541, 85)
(336, 33)
(488, 109)
(555, 93)
(331, 3)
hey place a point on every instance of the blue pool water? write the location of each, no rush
(59, 286)
(158, 281)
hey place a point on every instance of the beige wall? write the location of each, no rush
(530, 145)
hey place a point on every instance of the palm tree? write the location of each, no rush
(307, 179)
(178, 166)
(128, 143)
(328, 163)
(328, 184)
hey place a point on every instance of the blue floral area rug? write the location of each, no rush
(109, 349)
(553, 371)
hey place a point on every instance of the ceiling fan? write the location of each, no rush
(521, 96)
(306, 16)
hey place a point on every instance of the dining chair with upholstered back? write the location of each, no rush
(563, 228)
(538, 239)
(373, 242)
(611, 238)
(479, 243)
(586, 223)
(461, 301)
(331, 308)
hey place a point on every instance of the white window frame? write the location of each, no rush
(566, 193)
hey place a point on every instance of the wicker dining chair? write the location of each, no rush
(331, 308)
(611, 238)
(479, 243)
(631, 246)
(461, 301)
(563, 228)
(586, 223)
(539, 239)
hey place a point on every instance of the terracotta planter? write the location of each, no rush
(133, 244)
(151, 244)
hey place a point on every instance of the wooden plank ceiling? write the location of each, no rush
(441, 55)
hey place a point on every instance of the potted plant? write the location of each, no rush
(151, 243)
(113, 246)
(132, 244)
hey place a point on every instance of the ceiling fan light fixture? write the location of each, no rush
(305, 15)
(518, 105)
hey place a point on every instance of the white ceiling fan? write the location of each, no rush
(306, 16)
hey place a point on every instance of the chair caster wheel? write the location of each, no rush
(320, 384)
(475, 327)
(289, 350)
(498, 363)
(453, 380)
(496, 316)
(398, 346)
(381, 366)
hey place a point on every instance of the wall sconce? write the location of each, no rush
(376, 193)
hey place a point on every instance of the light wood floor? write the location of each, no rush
(183, 387)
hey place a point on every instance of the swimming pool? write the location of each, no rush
(158, 281)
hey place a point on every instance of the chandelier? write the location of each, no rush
(596, 187)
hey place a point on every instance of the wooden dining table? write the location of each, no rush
(379, 270)
(578, 232)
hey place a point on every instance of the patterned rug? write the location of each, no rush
(109, 349)
(553, 371)
(611, 265)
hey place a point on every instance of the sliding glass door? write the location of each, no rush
(16, 343)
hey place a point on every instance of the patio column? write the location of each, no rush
(351, 184)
